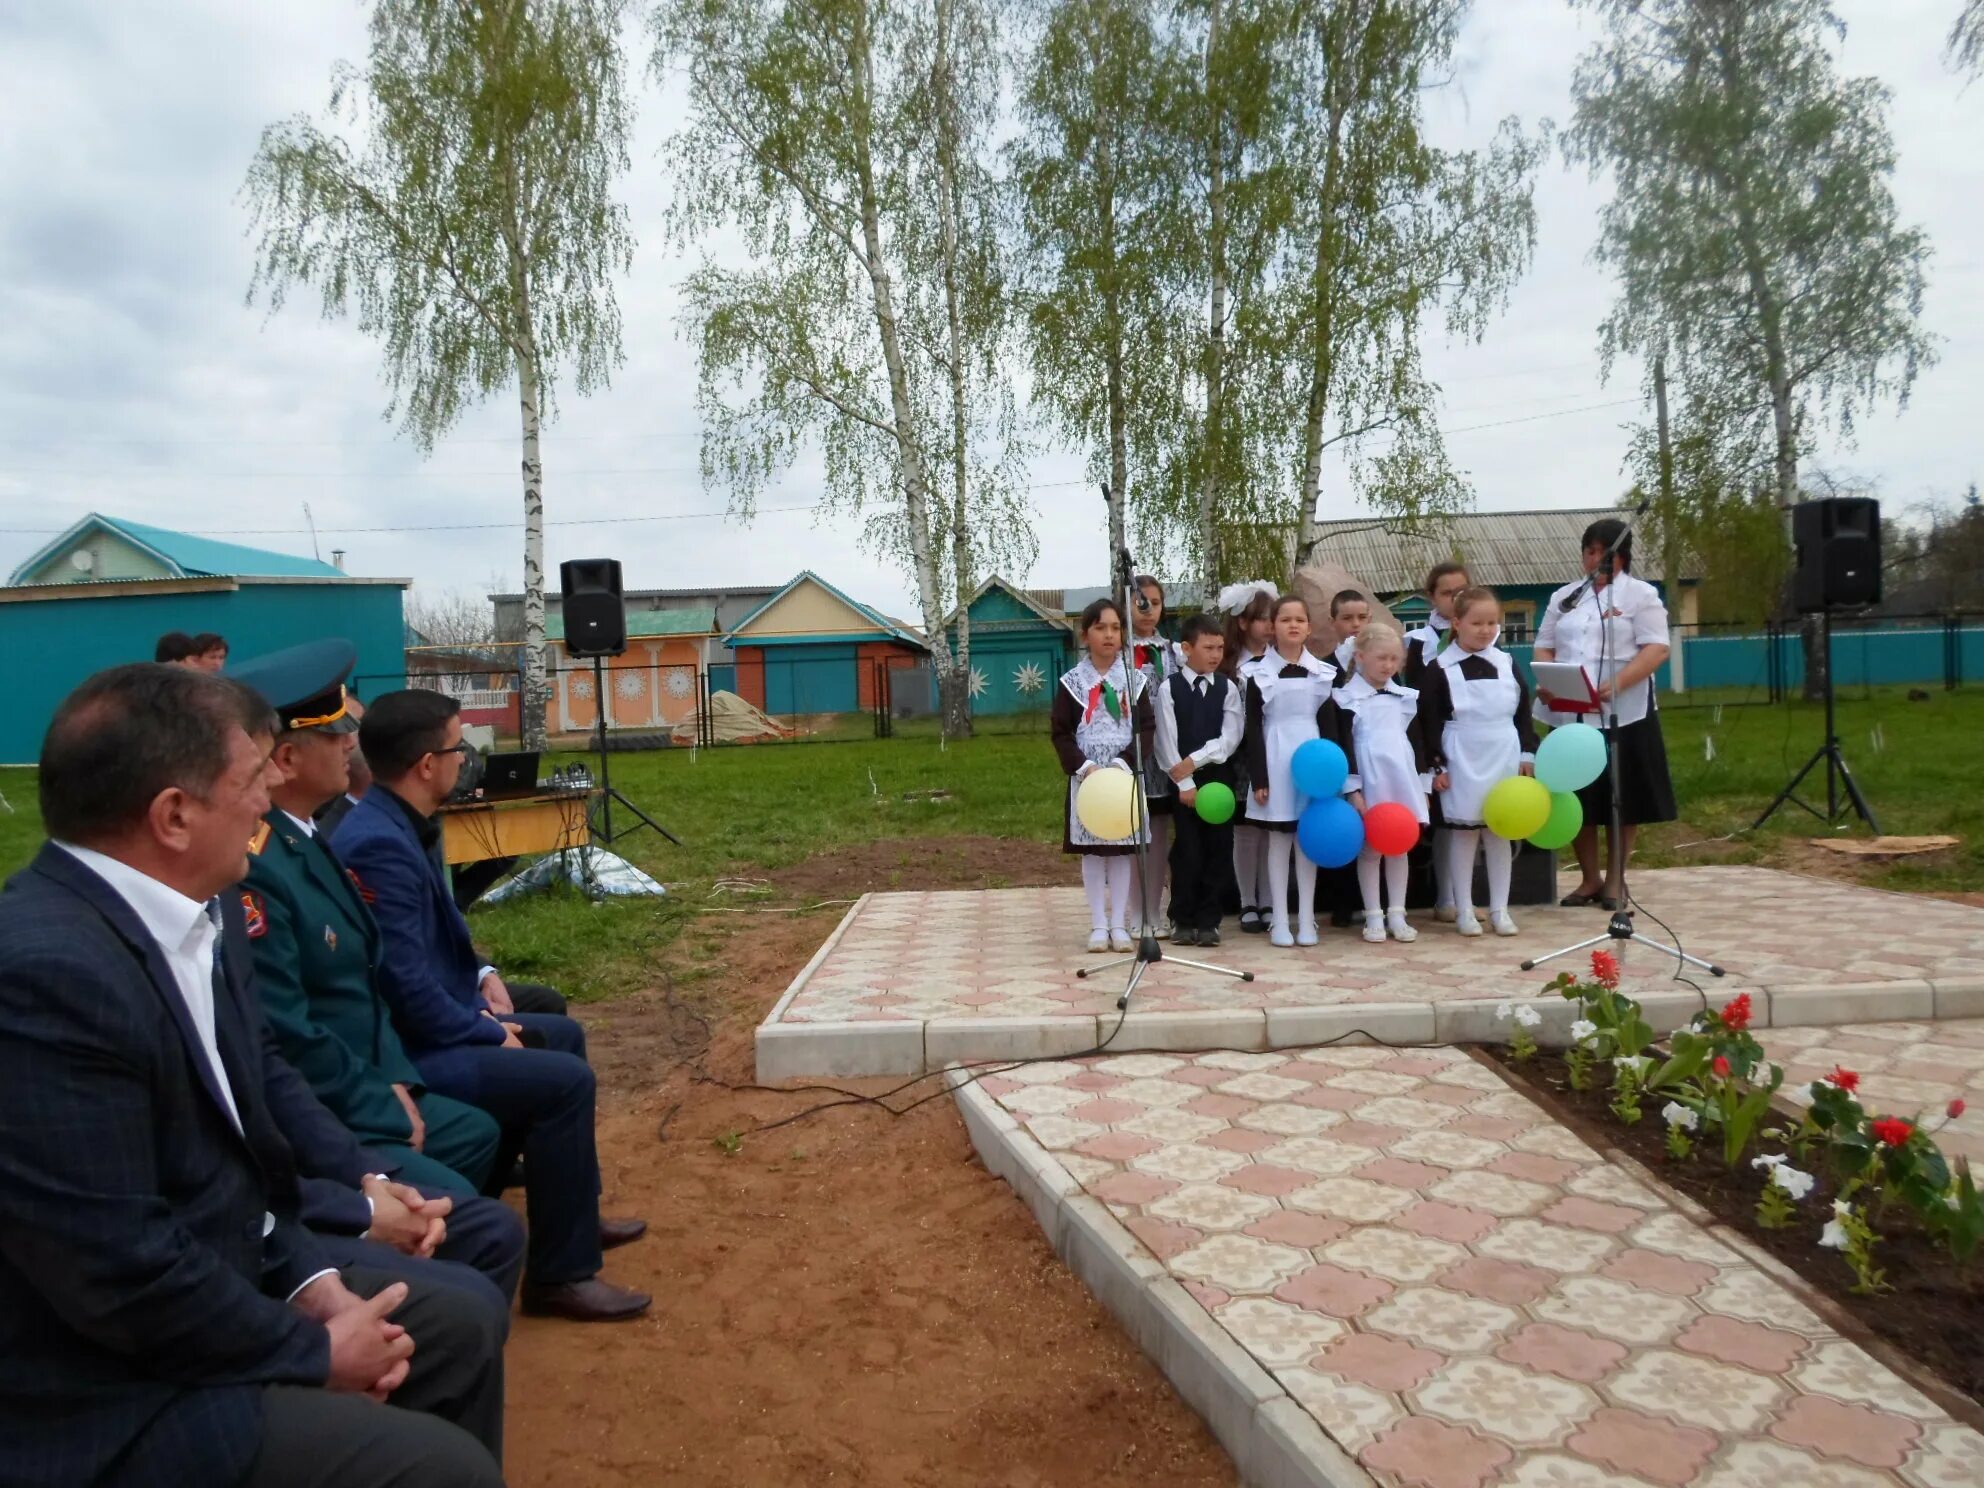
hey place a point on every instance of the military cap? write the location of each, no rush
(304, 684)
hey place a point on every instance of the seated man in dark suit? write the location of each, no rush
(528, 1070)
(164, 1318)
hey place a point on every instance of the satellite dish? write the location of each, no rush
(82, 560)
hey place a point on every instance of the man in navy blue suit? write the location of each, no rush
(528, 1070)
(164, 1317)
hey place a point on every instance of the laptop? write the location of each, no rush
(509, 775)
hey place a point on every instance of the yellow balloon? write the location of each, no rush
(1109, 803)
(1517, 808)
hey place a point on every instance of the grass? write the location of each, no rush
(747, 811)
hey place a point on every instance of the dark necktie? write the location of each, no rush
(1201, 686)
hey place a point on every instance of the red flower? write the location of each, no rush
(1736, 1016)
(1846, 1079)
(1605, 967)
(1957, 1107)
(1893, 1131)
(1721, 1065)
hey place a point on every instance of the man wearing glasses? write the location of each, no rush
(528, 1070)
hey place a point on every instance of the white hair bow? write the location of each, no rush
(1236, 597)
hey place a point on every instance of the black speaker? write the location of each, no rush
(1838, 541)
(595, 614)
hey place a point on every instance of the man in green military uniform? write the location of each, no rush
(316, 945)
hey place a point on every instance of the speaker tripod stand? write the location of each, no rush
(603, 830)
(1834, 759)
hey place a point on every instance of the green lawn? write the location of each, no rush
(745, 811)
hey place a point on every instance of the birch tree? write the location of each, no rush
(831, 137)
(1098, 197)
(1966, 43)
(460, 199)
(1385, 232)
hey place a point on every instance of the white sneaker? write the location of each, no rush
(1374, 929)
(1502, 923)
(1119, 940)
(1400, 931)
(1168, 929)
(1098, 940)
(1467, 924)
(1278, 936)
(1307, 936)
(1446, 914)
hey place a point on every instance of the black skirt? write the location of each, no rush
(1646, 789)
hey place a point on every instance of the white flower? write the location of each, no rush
(1792, 1181)
(1833, 1236)
(1676, 1114)
(1637, 1063)
(1528, 1016)
(1841, 1208)
(1583, 1029)
(1768, 1162)
(1505, 1009)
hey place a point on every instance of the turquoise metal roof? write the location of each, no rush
(188, 556)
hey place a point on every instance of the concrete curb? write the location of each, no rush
(1272, 1439)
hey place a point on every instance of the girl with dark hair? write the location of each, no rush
(1249, 611)
(1100, 706)
(1616, 629)
(1156, 658)
(1445, 582)
(1287, 693)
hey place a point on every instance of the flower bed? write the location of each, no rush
(1862, 1204)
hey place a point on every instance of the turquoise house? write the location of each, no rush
(1018, 649)
(106, 589)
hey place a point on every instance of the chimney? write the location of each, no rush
(337, 559)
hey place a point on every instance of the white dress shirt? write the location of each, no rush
(1603, 632)
(1223, 746)
(303, 823)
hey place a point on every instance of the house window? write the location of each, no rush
(1516, 620)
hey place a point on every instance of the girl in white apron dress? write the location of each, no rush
(1389, 762)
(1287, 691)
(1156, 658)
(1479, 704)
(1249, 609)
(1092, 723)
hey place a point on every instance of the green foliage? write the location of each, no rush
(1966, 42)
(1960, 1220)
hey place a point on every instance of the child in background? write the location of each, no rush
(1287, 691)
(1098, 706)
(1155, 657)
(1350, 612)
(1477, 706)
(1444, 583)
(1200, 721)
(1249, 634)
(1379, 730)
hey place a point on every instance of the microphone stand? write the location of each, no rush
(1620, 927)
(1149, 951)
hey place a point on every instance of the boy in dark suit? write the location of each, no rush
(1199, 725)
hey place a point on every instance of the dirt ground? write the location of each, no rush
(849, 1299)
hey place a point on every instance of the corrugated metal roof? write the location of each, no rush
(187, 555)
(1499, 548)
(648, 624)
(713, 592)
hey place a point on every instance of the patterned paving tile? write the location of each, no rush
(1461, 1310)
(1024, 945)
(1905, 1069)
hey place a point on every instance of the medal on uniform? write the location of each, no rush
(330, 938)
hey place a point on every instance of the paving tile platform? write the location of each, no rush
(910, 982)
(1374, 1266)
(1905, 1069)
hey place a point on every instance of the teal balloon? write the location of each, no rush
(1571, 757)
(1215, 803)
(1566, 821)
(1319, 768)
(1330, 832)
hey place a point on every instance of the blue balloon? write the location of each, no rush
(1319, 769)
(1330, 832)
(1571, 757)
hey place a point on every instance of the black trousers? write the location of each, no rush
(443, 1428)
(535, 997)
(1201, 870)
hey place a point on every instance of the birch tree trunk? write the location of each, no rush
(537, 686)
(1322, 366)
(957, 701)
(1216, 323)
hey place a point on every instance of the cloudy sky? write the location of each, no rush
(135, 380)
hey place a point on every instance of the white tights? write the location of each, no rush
(1250, 865)
(1106, 881)
(1367, 881)
(1497, 852)
(1281, 846)
(1150, 906)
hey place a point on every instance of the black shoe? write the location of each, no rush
(1252, 923)
(588, 1301)
(1185, 935)
(1209, 937)
(614, 1232)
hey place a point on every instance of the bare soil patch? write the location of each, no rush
(848, 1299)
(1935, 1311)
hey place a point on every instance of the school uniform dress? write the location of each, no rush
(1422, 645)
(1285, 703)
(1200, 718)
(1380, 732)
(1092, 723)
(1477, 707)
(1602, 633)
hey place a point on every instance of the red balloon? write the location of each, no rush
(1391, 829)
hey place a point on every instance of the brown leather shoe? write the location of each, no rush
(588, 1301)
(614, 1232)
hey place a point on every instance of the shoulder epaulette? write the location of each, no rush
(259, 841)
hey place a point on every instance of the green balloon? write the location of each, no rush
(1215, 803)
(1566, 821)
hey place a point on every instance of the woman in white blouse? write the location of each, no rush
(1616, 629)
